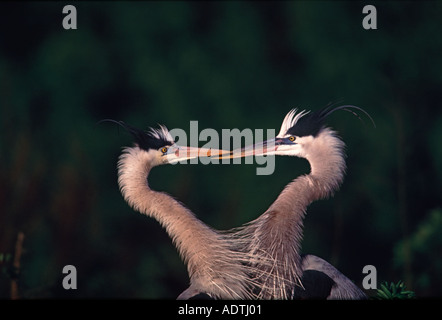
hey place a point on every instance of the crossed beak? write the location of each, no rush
(265, 148)
(187, 153)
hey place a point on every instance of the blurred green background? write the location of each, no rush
(228, 65)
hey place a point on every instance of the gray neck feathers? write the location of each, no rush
(214, 265)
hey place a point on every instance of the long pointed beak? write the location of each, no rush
(265, 148)
(187, 153)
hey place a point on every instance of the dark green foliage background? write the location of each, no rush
(228, 65)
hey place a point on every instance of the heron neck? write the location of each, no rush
(327, 162)
(212, 262)
(279, 230)
(193, 239)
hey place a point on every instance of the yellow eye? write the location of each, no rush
(292, 138)
(164, 150)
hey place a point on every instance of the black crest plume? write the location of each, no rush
(152, 139)
(306, 124)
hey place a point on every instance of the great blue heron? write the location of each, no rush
(216, 265)
(277, 233)
(262, 258)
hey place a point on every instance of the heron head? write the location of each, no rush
(160, 147)
(299, 132)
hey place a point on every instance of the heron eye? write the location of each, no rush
(292, 138)
(164, 150)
